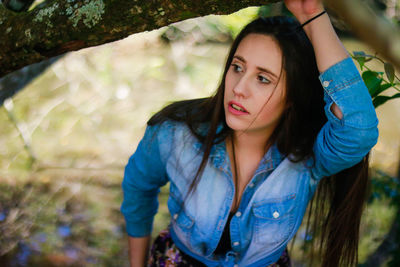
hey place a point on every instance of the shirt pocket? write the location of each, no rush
(180, 220)
(274, 220)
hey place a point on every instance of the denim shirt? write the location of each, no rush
(273, 202)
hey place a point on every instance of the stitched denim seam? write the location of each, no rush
(342, 85)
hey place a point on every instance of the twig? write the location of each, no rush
(22, 130)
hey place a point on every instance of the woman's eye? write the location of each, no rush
(262, 79)
(237, 68)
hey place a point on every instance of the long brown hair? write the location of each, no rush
(337, 206)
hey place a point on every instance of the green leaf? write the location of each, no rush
(359, 54)
(379, 100)
(382, 88)
(360, 57)
(372, 81)
(389, 69)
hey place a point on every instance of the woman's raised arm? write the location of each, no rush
(328, 48)
(351, 130)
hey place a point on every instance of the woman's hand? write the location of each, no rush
(304, 9)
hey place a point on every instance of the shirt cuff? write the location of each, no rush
(339, 76)
(342, 84)
(139, 229)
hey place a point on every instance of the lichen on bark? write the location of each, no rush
(90, 13)
(45, 14)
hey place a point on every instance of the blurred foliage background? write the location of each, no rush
(65, 139)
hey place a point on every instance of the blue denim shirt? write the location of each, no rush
(273, 202)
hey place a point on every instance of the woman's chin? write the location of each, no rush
(236, 126)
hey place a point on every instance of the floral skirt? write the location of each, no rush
(164, 253)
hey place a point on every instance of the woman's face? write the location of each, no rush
(254, 97)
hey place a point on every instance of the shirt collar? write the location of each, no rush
(271, 159)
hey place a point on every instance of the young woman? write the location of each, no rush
(243, 164)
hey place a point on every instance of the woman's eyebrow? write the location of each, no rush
(259, 68)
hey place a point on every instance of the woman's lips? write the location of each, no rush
(236, 109)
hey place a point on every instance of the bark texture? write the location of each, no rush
(59, 26)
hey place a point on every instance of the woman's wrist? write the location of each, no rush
(319, 25)
(305, 16)
(313, 18)
(327, 46)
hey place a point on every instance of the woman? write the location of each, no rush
(244, 163)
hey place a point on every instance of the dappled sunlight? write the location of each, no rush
(62, 156)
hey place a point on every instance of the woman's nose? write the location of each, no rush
(241, 87)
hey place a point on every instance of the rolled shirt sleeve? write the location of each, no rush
(342, 143)
(144, 174)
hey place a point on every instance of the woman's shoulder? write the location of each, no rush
(171, 139)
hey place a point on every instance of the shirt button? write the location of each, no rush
(236, 243)
(238, 214)
(235, 265)
(325, 84)
(175, 216)
(251, 185)
(275, 214)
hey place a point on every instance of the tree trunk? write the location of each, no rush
(59, 26)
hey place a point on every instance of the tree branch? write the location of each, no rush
(374, 30)
(59, 26)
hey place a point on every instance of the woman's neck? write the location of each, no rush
(251, 142)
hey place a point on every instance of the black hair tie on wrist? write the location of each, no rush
(308, 21)
(297, 28)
